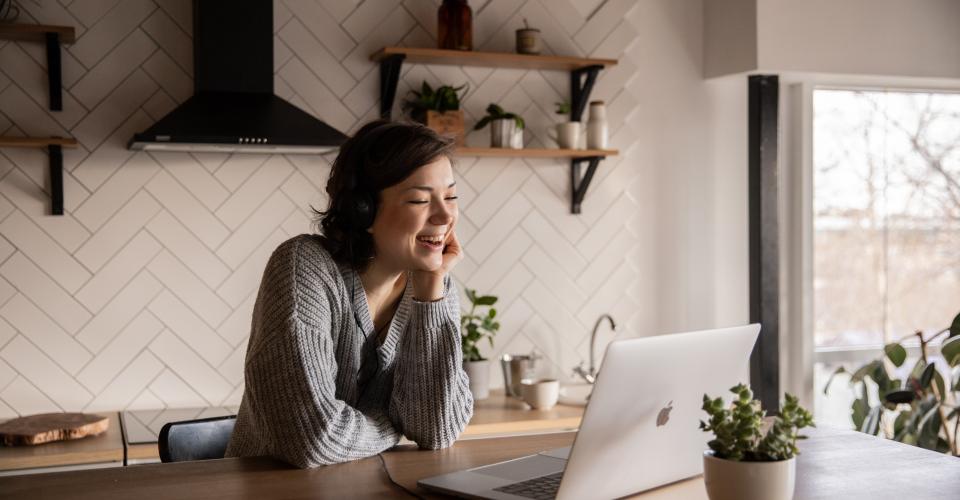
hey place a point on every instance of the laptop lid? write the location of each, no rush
(640, 429)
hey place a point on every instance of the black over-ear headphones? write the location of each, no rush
(363, 207)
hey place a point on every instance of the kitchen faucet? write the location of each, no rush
(590, 374)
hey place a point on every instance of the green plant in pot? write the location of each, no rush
(506, 128)
(923, 409)
(479, 323)
(744, 462)
(567, 132)
(438, 109)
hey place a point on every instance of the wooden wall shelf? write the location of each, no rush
(583, 74)
(54, 147)
(53, 36)
(535, 153)
(36, 32)
(489, 59)
(37, 142)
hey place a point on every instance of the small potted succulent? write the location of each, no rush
(475, 326)
(506, 129)
(438, 109)
(743, 462)
(568, 132)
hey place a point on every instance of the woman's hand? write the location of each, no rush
(428, 285)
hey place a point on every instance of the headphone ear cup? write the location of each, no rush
(363, 210)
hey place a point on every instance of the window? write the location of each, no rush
(886, 225)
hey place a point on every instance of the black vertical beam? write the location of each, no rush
(56, 179)
(53, 71)
(579, 185)
(764, 246)
(580, 89)
(389, 76)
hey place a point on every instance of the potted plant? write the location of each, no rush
(475, 326)
(438, 109)
(568, 132)
(743, 462)
(506, 129)
(920, 409)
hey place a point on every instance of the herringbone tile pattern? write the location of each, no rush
(141, 295)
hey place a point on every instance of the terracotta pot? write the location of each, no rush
(449, 123)
(479, 374)
(731, 480)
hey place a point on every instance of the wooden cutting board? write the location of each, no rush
(47, 427)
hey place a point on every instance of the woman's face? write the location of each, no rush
(414, 218)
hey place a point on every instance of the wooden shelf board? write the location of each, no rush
(36, 142)
(535, 153)
(36, 32)
(490, 59)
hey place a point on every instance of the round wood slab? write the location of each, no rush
(47, 427)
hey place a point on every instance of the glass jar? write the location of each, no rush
(455, 25)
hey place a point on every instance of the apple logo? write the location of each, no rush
(664, 416)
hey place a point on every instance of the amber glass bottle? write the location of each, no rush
(455, 25)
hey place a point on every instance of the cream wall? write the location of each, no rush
(141, 295)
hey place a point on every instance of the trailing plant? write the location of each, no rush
(477, 325)
(921, 410)
(442, 99)
(737, 428)
(495, 112)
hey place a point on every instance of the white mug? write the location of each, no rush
(541, 394)
(568, 135)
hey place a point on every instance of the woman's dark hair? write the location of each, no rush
(381, 154)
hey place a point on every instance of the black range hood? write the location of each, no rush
(233, 108)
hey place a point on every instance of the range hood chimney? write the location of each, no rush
(233, 108)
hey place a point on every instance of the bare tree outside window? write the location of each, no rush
(886, 219)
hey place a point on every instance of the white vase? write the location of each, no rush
(479, 374)
(597, 130)
(731, 480)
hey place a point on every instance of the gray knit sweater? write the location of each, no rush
(319, 389)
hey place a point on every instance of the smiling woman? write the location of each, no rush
(355, 338)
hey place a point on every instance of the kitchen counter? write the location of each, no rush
(136, 443)
(104, 450)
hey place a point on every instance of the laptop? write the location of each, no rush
(640, 428)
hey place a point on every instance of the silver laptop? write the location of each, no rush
(640, 429)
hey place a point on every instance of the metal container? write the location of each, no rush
(516, 368)
(502, 132)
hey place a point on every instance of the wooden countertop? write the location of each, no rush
(498, 415)
(503, 415)
(107, 447)
(833, 464)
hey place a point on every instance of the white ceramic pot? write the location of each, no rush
(730, 480)
(502, 132)
(479, 374)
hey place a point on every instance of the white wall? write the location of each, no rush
(140, 296)
(730, 37)
(916, 38)
(870, 37)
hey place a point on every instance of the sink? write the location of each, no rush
(575, 394)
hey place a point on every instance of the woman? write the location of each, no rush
(355, 338)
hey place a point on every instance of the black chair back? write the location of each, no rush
(195, 439)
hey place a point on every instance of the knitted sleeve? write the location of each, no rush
(291, 369)
(431, 401)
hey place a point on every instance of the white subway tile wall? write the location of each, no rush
(141, 295)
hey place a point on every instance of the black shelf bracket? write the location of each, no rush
(389, 77)
(579, 185)
(55, 152)
(53, 71)
(580, 89)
